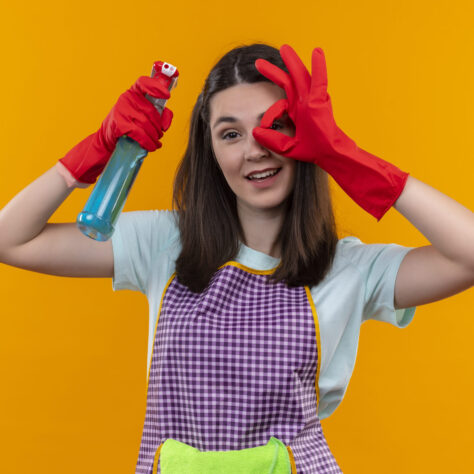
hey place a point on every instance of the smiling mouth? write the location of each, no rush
(264, 178)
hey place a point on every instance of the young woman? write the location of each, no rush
(255, 305)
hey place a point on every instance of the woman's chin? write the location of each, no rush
(262, 205)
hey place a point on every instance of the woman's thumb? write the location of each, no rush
(166, 118)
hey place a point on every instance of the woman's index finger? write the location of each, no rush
(273, 73)
(274, 112)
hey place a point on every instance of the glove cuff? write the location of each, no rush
(373, 183)
(86, 161)
(69, 179)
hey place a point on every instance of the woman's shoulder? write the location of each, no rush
(151, 218)
(156, 227)
(353, 251)
(151, 214)
(349, 248)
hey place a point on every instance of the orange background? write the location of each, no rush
(73, 352)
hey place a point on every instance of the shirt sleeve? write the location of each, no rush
(378, 265)
(381, 273)
(137, 238)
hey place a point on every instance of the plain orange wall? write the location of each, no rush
(73, 352)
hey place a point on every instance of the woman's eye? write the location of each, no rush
(277, 125)
(229, 135)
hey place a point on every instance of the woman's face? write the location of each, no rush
(234, 112)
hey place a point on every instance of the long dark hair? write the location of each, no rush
(207, 216)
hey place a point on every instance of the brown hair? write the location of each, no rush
(207, 216)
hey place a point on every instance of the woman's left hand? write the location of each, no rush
(308, 104)
(371, 182)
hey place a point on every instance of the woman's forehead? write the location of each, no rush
(243, 99)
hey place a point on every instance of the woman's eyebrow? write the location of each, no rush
(230, 119)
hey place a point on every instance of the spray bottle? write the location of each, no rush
(99, 216)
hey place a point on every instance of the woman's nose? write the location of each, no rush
(253, 149)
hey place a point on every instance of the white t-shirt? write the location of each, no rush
(359, 287)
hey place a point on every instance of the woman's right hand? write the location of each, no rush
(133, 115)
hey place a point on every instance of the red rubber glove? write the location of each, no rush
(133, 115)
(371, 182)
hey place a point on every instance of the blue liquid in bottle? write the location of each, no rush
(106, 201)
(103, 208)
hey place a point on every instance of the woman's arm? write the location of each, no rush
(28, 241)
(427, 273)
(445, 267)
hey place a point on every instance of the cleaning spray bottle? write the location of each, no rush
(99, 216)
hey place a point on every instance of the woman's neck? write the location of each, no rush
(261, 230)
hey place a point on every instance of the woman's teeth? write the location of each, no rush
(264, 175)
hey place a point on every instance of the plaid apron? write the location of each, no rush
(233, 366)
